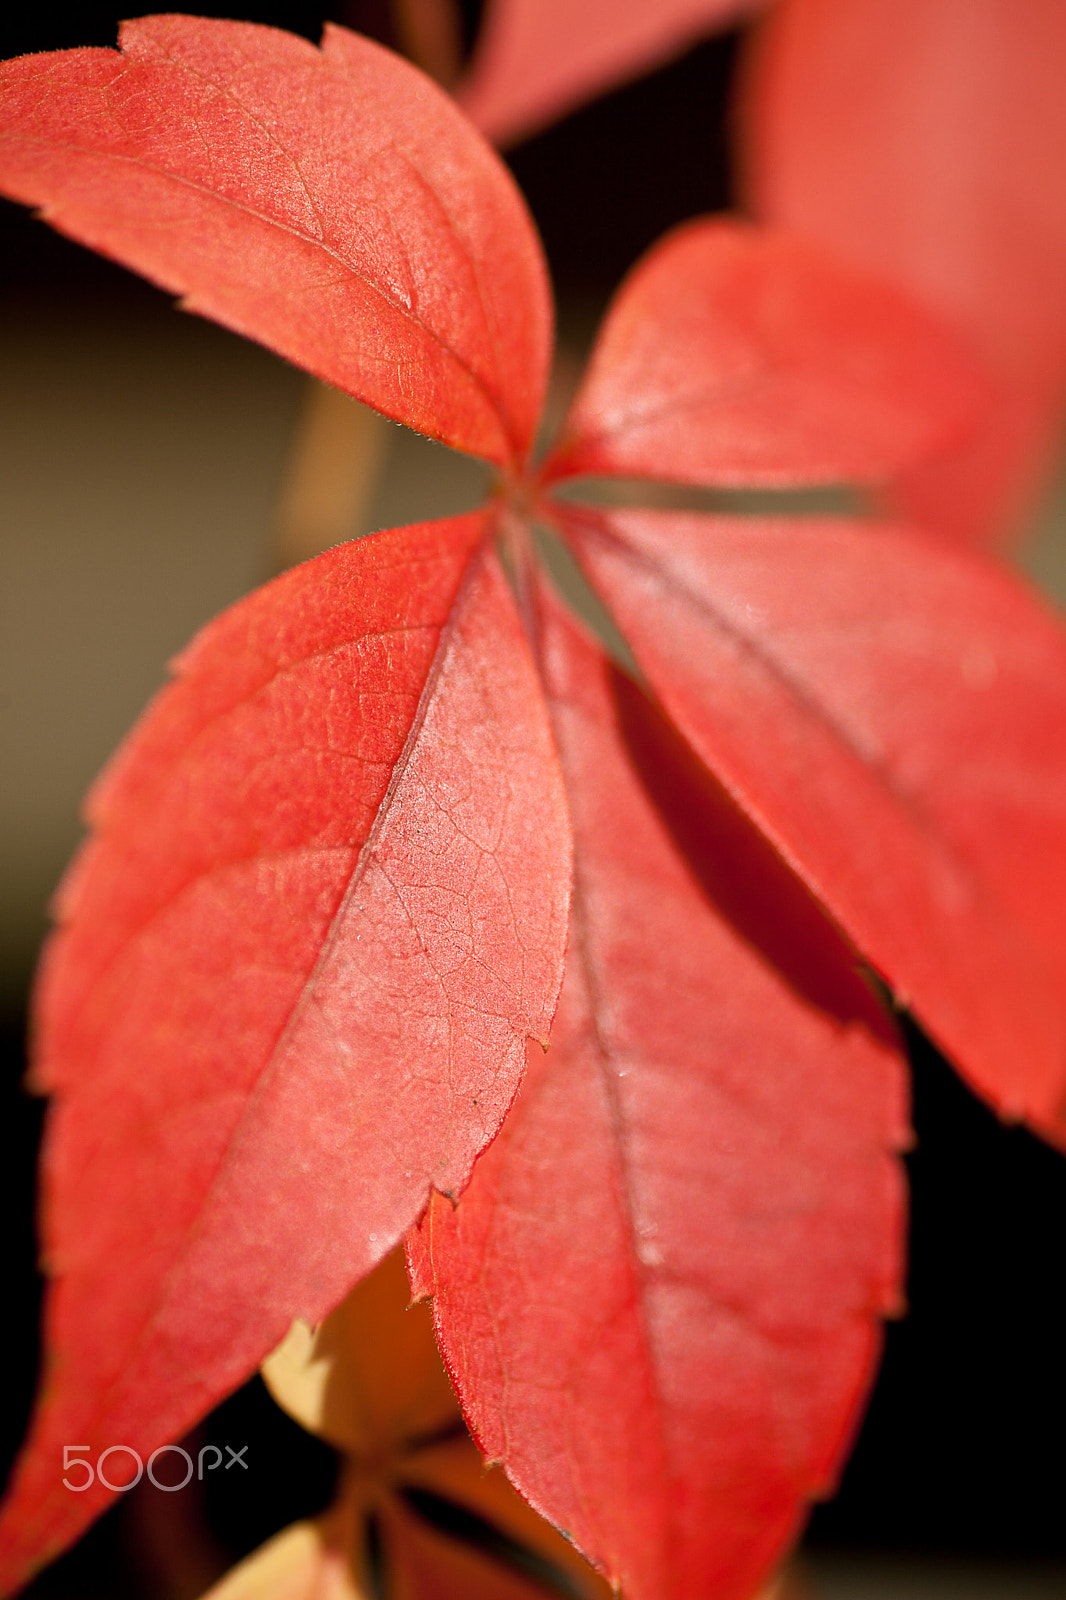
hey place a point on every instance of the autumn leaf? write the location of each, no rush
(618, 1294)
(331, 203)
(324, 909)
(927, 143)
(345, 815)
(883, 708)
(737, 357)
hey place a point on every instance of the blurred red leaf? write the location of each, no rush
(536, 59)
(926, 141)
(733, 356)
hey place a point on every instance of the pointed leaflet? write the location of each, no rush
(658, 1295)
(926, 140)
(332, 204)
(891, 714)
(536, 59)
(735, 356)
(324, 909)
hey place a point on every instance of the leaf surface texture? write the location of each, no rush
(324, 908)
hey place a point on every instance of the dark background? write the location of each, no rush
(961, 1450)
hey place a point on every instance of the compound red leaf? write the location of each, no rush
(735, 356)
(332, 204)
(890, 712)
(325, 907)
(659, 1294)
(538, 58)
(926, 141)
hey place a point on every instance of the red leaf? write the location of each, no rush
(658, 1295)
(889, 712)
(325, 908)
(536, 59)
(333, 205)
(735, 356)
(926, 140)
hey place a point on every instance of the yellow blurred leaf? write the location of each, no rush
(370, 1379)
(309, 1561)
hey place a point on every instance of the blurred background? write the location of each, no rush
(154, 468)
